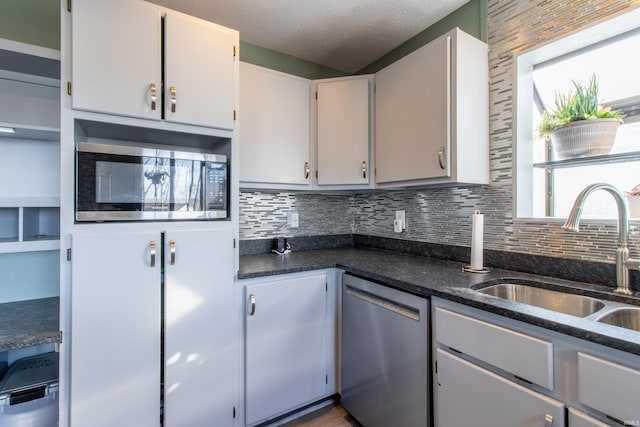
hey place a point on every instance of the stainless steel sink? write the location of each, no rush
(575, 305)
(626, 317)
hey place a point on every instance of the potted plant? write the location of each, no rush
(578, 126)
(633, 201)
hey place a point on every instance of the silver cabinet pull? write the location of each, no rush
(548, 420)
(307, 169)
(152, 90)
(174, 101)
(364, 169)
(252, 304)
(172, 252)
(441, 157)
(152, 251)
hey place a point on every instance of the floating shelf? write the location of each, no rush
(593, 160)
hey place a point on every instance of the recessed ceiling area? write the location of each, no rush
(346, 35)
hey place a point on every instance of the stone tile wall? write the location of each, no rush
(443, 215)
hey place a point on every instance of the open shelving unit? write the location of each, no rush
(29, 178)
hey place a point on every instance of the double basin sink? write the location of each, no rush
(604, 311)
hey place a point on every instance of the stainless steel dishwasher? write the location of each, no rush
(385, 355)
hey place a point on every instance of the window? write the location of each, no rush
(548, 188)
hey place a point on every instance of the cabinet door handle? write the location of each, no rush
(172, 252)
(441, 157)
(252, 305)
(548, 420)
(364, 169)
(154, 98)
(174, 100)
(307, 169)
(152, 252)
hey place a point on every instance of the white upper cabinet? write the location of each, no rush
(116, 57)
(275, 131)
(343, 111)
(432, 115)
(117, 63)
(199, 85)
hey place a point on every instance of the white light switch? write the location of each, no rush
(293, 219)
(399, 223)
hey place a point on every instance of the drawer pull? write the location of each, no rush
(548, 420)
(174, 99)
(152, 251)
(252, 302)
(154, 97)
(441, 158)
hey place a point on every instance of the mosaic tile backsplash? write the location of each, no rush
(443, 215)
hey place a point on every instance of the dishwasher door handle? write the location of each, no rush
(387, 304)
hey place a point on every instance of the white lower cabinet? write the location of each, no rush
(577, 418)
(494, 371)
(609, 387)
(118, 326)
(469, 395)
(286, 345)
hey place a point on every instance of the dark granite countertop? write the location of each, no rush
(433, 277)
(27, 323)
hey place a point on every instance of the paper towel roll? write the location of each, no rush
(477, 233)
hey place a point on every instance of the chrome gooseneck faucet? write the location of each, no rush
(623, 261)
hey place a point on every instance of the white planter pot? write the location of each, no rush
(634, 206)
(584, 138)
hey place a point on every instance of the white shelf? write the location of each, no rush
(30, 59)
(29, 224)
(35, 246)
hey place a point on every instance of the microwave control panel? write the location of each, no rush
(216, 186)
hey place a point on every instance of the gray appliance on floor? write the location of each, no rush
(29, 392)
(385, 355)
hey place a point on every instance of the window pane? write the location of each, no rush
(617, 68)
(616, 65)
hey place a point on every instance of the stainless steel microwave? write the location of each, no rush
(127, 183)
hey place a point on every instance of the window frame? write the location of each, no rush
(524, 62)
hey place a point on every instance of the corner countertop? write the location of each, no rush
(446, 279)
(28, 323)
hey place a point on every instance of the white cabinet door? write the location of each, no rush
(343, 132)
(117, 63)
(275, 130)
(116, 57)
(199, 72)
(467, 395)
(200, 368)
(432, 115)
(115, 330)
(285, 345)
(413, 115)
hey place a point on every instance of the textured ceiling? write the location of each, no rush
(346, 35)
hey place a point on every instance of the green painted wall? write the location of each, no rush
(471, 18)
(31, 21)
(286, 63)
(37, 22)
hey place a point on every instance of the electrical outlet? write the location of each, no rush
(293, 219)
(399, 223)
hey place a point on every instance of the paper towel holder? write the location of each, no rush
(477, 224)
(468, 269)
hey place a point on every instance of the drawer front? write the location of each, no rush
(609, 387)
(525, 356)
(468, 395)
(580, 419)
